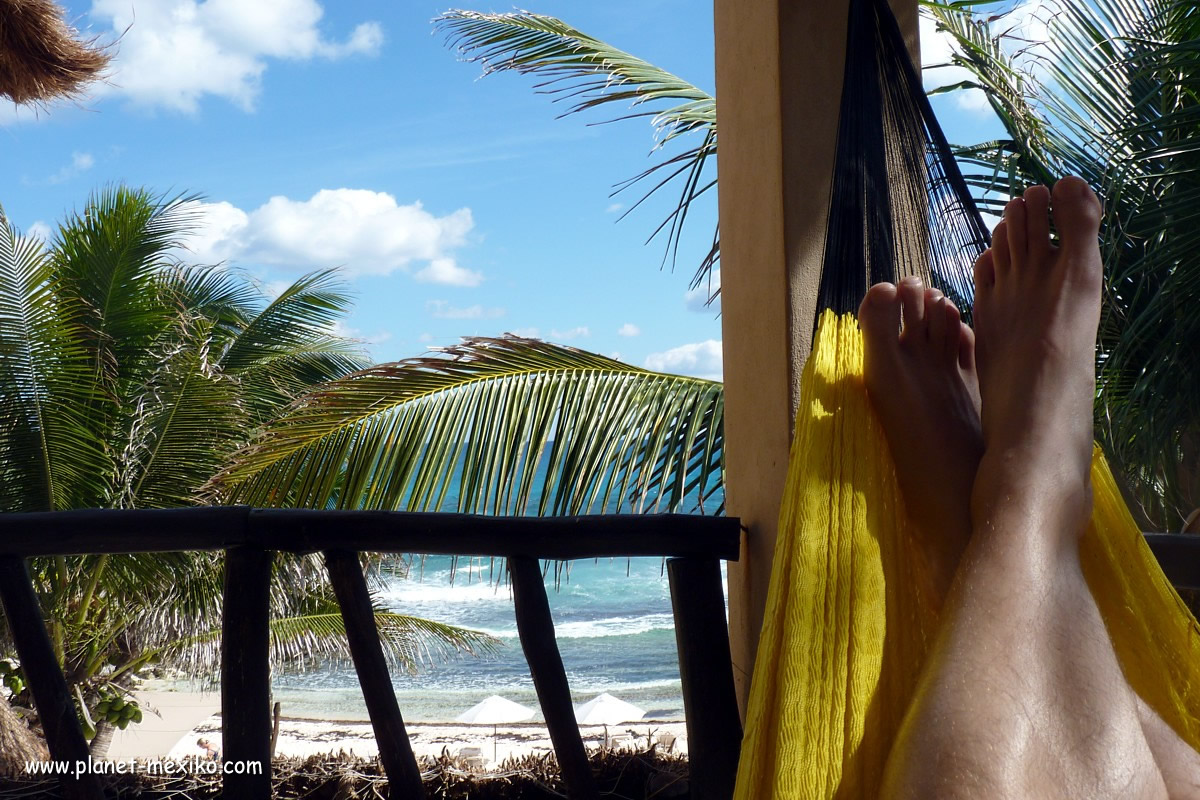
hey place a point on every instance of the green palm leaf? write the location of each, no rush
(514, 425)
(590, 73)
(288, 346)
(50, 456)
(110, 258)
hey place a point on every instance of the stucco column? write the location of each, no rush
(779, 75)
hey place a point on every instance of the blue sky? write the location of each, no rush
(347, 134)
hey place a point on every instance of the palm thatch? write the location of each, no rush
(41, 56)
(18, 744)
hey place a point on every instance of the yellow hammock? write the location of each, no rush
(846, 633)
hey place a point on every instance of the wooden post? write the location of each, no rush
(276, 710)
(395, 750)
(55, 708)
(246, 675)
(779, 76)
(536, 628)
(710, 704)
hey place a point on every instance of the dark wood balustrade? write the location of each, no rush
(693, 546)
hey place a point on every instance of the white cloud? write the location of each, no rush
(425, 338)
(172, 53)
(444, 270)
(613, 208)
(365, 232)
(568, 335)
(80, 162)
(220, 233)
(697, 299)
(937, 51)
(40, 230)
(440, 309)
(699, 359)
(628, 329)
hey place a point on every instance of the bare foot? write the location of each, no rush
(1037, 308)
(922, 383)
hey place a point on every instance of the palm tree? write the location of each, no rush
(1110, 95)
(126, 380)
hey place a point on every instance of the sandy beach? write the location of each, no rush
(174, 722)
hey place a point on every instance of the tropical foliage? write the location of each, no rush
(127, 379)
(496, 426)
(1108, 92)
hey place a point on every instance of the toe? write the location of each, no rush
(1001, 260)
(951, 323)
(1037, 223)
(879, 313)
(1076, 213)
(912, 298)
(936, 316)
(1077, 216)
(1018, 239)
(966, 347)
(985, 271)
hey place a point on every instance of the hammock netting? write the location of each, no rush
(846, 628)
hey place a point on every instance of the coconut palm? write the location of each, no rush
(127, 378)
(492, 426)
(1110, 93)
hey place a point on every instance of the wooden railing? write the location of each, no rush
(693, 546)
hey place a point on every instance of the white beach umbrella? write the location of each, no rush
(604, 709)
(495, 711)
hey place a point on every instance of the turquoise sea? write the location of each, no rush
(612, 618)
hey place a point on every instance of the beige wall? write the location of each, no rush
(779, 73)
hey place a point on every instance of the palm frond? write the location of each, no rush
(50, 457)
(588, 73)
(513, 425)
(182, 424)
(289, 345)
(110, 257)
(305, 642)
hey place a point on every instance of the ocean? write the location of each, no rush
(612, 618)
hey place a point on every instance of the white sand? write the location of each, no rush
(185, 717)
(167, 717)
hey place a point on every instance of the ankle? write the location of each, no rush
(1029, 489)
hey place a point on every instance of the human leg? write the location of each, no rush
(1022, 696)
